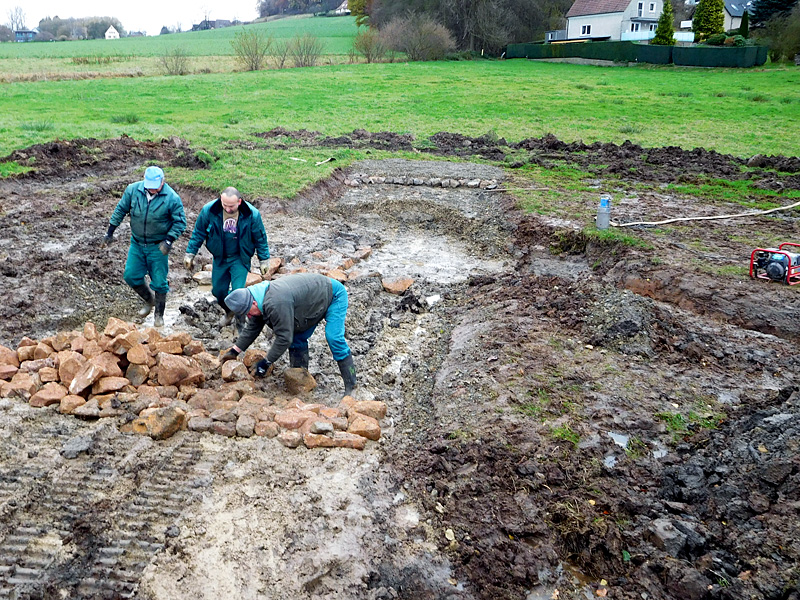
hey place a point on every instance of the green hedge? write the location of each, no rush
(659, 55)
(708, 56)
(696, 56)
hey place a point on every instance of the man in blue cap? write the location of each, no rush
(233, 232)
(292, 307)
(157, 220)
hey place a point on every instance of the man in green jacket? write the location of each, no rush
(157, 220)
(233, 232)
(292, 307)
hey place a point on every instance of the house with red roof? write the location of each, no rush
(613, 19)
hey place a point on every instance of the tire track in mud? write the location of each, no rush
(88, 528)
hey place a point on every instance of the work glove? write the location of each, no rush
(165, 247)
(109, 236)
(264, 266)
(263, 368)
(231, 354)
(188, 260)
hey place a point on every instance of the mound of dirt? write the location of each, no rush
(74, 159)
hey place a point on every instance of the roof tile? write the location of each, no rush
(596, 7)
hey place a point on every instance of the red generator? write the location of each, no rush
(776, 264)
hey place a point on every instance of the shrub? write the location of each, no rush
(665, 32)
(744, 28)
(463, 55)
(419, 36)
(251, 48)
(175, 62)
(279, 51)
(782, 35)
(369, 44)
(718, 39)
(305, 50)
(709, 17)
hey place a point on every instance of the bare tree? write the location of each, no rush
(305, 50)
(369, 44)
(251, 47)
(206, 12)
(419, 36)
(175, 62)
(280, 52)
(16, 18)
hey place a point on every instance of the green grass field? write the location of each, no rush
(742, 112)
(336, 34)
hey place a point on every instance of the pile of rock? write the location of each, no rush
(157, 385)
(358, 179)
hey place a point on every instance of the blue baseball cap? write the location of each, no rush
(153, 178)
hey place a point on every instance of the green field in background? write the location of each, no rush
(336, 34)
(742, 112)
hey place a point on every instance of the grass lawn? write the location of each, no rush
(736, 111)
(336, 34)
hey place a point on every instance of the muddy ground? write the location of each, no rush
(567, 418)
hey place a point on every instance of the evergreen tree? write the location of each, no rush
(709, 18)
(763, 10)
(744, 28)
(665, 32)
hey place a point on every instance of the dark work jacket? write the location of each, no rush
(289, 305)
(208, 229)
(162, 218)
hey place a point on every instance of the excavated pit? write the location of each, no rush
(565, 415)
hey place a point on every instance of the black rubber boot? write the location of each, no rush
(348, 370)
(144, 291)
(298, 358)
(161, 304)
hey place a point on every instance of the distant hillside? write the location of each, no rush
(336, 34)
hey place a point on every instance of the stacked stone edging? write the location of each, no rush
(158, 385)
(358, 179)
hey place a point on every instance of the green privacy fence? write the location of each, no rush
(695, 56)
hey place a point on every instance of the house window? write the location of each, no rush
(640, 8)
(586, 29)
(652, 7)
(652, 27)
(634, 27)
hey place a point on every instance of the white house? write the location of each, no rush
(613, 19)
(734, 11)
(112, 33)
(343, 9)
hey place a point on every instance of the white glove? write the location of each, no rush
(264, 266)
(188, 261)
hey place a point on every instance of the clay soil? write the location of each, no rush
(568, 418)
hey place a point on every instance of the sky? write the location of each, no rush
(143, 15)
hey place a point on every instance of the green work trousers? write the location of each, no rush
(227, 274)
(146, 259)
